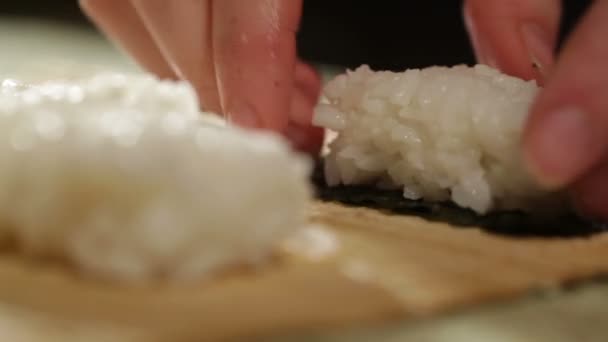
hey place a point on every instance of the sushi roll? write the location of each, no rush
(123, 177)
(439, 134)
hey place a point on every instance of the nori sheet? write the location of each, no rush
(507, 223)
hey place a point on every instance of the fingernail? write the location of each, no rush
(243, 115)
(539, 46)
(560, 148)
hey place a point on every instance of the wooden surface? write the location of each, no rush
(373, 269)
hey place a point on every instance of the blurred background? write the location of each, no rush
(386, 34)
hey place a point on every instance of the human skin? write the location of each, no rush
(566, 137)
(241, 58)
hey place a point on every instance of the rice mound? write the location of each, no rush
(125, 178)
(439, 133)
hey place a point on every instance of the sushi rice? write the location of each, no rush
(123, 177)
(439, 134)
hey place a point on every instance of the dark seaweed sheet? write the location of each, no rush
(508, 223)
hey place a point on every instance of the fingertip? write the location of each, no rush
(302, 106)
(306, 139)
(565, 135)
(559, 146)
(308, 80)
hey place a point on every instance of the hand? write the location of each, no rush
(566, 138)
(240, 56)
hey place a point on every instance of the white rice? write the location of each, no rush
(440, 133)
(125, 178)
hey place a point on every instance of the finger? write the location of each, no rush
(118, 20)
(300, 131)
(254, 49)
(301, 107)
(307, 88)
(566, 134)
(307, 79)
(305, 94)
(305, 138)
(515, 36)
(591, 194)
(182, 30)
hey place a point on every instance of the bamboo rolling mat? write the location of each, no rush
(353, 267)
